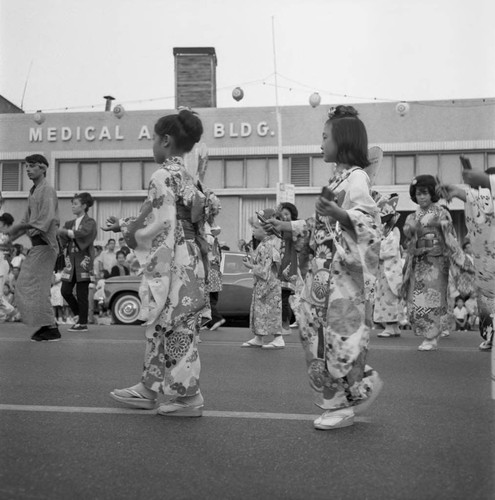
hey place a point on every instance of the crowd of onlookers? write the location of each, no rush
(110, 260)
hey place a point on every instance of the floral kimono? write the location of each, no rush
(167, 240)
(388, 306)
(266, 304)
(334, 312)
(480, 221)
(430, 252)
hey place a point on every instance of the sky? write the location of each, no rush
(65, 55)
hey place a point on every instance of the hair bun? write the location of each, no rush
(191, 123)
(342, 111)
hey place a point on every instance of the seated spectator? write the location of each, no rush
(460, 315)
(122, 268)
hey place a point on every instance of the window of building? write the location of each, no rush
(404, 169)
(256, 175)
(385, 174)
(320, 171)
(11, 175)
(300, 171)
(234, 173)
(214, 173)
(427, 164)
(273, 177)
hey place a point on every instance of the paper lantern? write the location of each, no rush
(314, 99)
(119, 111)
(39, 117)
(402, 108)
(238, 93)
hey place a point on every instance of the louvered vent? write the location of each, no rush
(10, 176)
(299, 171)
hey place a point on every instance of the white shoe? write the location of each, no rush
(277, 343)
(428, 345)
(445, 333)
(485, 346)
(218, 324)
(335, 419)
(294, 325)
(254, 342)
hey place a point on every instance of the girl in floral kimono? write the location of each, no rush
(432, 248)
(478, 197)
(266, 304)
(167, 238)
(388, 307)
(334, 312)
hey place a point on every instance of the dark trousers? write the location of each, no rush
(215, 315)
(79, 305)
(286, 309)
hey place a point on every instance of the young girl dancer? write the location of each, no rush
(334, 314)
(266, 305)
(167, 238)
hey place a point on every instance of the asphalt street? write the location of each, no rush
(429, 435)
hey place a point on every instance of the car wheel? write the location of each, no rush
(125, 308)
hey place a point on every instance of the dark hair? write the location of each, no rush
(185, 127)
(424, 181)
(120, 252)
(291, 208)
(490, 171)
(350, 136)
(110, 239)
(7, 219)
(36, 159)
(17, 249)
(105, 274)
(99, 247)
(85, 199)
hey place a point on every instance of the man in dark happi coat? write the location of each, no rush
(77, 237)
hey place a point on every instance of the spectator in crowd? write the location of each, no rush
(121, 268)
(108, 256)
(123, 247)
(461, 315)
(18, 256)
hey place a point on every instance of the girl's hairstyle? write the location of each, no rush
(120, 252)
(349, 134)
(291, 208)
(85, 199)
(185, 127)
(424, 181)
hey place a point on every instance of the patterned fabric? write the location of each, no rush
(334, 312)
(165, 238)
(214, 281)
(388, 307)
(32, 290)
(79, 251)
(480, 222)
(266, 304)
(431, 250)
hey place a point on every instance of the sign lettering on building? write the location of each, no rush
(105, 133)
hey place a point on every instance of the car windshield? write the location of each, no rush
(233, 264)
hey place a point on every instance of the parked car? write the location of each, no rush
(122, 292)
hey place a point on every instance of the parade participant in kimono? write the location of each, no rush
(432, 249)
(77, 238)
(479, 207)
(288, 272)
(168, 240)
(334, 313)
(265, 315)
(388, 307)
(32, 291)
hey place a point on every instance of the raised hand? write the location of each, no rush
(112, 224)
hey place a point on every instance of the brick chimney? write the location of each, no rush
(195, 77)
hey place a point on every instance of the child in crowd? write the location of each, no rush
(460, 315)
(266, 305)
(99, 296)
(472, 309)
(57, 300)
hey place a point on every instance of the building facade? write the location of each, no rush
(110, 155)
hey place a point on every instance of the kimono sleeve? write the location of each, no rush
(85, 234)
